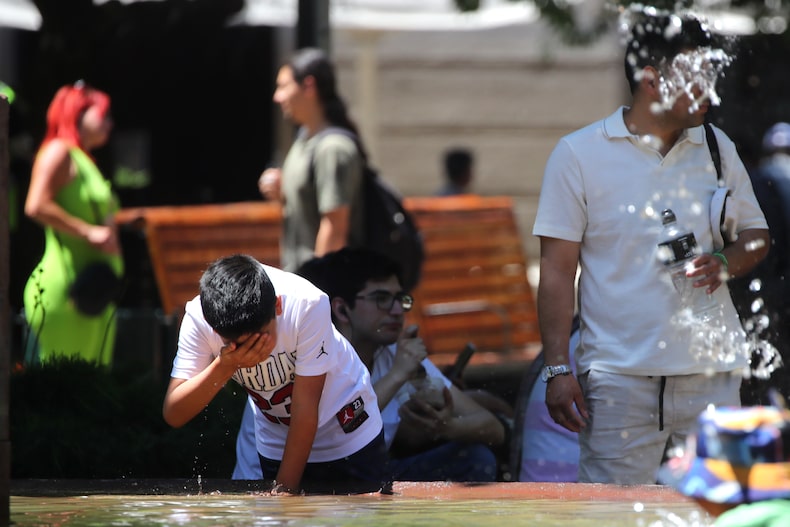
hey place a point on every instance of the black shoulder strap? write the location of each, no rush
(713, 146)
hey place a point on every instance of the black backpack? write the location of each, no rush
(389, 227)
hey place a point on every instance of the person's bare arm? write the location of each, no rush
(461, 419)
(186, 398)
(556, 299)
(333, 231)
(301, 432)
(473, 423)
(52, 170)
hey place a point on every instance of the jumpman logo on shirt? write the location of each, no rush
(323, 351)
(348, 415)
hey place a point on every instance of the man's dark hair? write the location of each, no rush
(344, 273)
(314, 62)
(237, 296)
(657, 40)
(458, 165)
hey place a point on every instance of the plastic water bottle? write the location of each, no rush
(677, 248)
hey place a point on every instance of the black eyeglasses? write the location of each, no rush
(385, 300)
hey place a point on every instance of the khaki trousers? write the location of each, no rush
(635, 421)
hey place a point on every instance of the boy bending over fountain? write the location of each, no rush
(317, 423)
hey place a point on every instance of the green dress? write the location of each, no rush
(55, 326)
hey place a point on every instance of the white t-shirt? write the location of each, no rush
(308, 345)
(382, 363)
(605, 187)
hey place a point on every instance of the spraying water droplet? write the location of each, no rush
(757, 305)
(693, 74)
(755, 245)
(651, 141)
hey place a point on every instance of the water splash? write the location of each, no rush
(694, 75)
(671, 519)
(754, 245)
(711, 344)
(764, 358)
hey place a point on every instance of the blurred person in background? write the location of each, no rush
(71, 199)
(320, 182)
(458, 164)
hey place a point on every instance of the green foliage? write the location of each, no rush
(559, 14)
(467, 5)
(71, 419)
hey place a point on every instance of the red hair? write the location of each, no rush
(66, 109)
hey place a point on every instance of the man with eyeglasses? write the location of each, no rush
(435, 432)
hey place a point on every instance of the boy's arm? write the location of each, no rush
(186, 398)
(301, 433)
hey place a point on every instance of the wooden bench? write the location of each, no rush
(183, 240)
(474, 285)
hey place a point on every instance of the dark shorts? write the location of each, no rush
(366, 470)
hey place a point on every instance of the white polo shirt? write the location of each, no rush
(307, 344)
(605, 187)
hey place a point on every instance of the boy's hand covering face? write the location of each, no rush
(248, 350)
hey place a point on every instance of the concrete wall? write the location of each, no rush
(509, 94)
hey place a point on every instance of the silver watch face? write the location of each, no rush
(549, 372)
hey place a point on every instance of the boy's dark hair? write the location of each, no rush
(657, 40)
(458, 164)
(344, 273)
(237, 296)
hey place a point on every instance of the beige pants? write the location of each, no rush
(635, 420)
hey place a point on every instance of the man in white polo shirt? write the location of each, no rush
(639, 387)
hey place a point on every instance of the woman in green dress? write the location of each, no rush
(74, 203)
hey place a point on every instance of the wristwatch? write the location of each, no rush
(549, 372)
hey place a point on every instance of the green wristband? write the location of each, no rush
(723, 259)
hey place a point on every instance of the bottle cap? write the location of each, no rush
(667, 216)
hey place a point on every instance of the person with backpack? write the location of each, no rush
(331, 196)
(320, 182)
